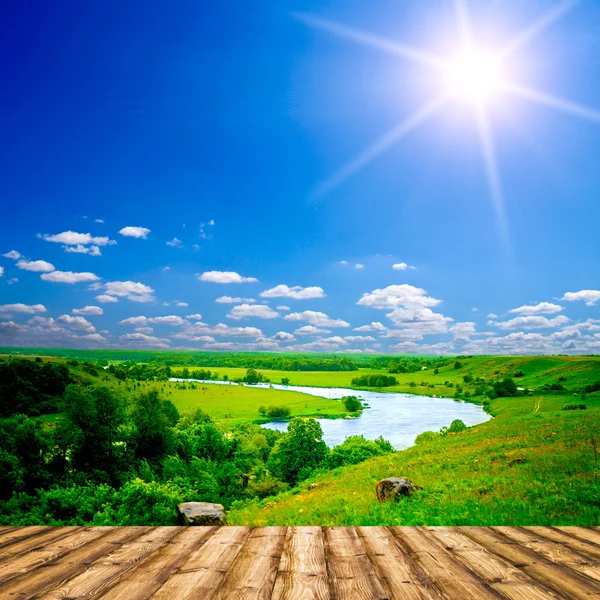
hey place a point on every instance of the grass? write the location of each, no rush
(232, 405)
(534, 464)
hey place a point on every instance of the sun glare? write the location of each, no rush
(474, 75)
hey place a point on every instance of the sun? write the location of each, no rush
(474, 75)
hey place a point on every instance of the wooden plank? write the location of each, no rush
(586, 549)
(399, 575)
(19, 533)
(583, 533)
(204, 570)
(351, 573)
(37, 540)
(252, 574)
(302, 573)
(499, 574)
(106, 570)
(144, 580)
(557, 553)
(450, 576)
(24, 563)
(69, 565)
(564, 581)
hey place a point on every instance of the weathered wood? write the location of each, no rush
(302, 573)
(67, 566)
(106, 570)
(447, 574)
(557, 553)
(300, 563)
(24, 563)
(40, 539)
(399, 575)
(205, 568)
(351, 573)
(252, 574)
(499, 574)
(145, 579)
(561, 580)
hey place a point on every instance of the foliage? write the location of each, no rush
(574, 406)
(352, 403)
(299, 453)
(374, 381)
(455, 427)
(355, 449)
(505, 388)
(275, 412)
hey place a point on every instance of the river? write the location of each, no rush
(399, 418)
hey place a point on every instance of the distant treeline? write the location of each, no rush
(375, 381)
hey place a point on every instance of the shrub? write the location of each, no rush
(518, 374)
(277, 412)
(574, 406)
(455, 427)
(354, 450)
(457, 365)
(352, 403)
(426, 436)
(467, 378)
(506, 387)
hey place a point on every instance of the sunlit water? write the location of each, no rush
(399, 418)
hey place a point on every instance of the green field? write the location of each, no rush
(532, 464)
(230, 405)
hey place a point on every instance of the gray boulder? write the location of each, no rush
(201, 513)
(394, 487)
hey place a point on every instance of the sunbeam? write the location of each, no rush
(536, 28)
(559, 104)
(381, 145)
(368, 39)
(492, 172)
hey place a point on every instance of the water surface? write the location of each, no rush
(399, 418)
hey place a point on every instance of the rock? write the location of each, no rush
(394, 487)
(201, 513)
(312, 486)
(516, 461)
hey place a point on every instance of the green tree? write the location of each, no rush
(298, 453)
(352, 403)
(152, 436)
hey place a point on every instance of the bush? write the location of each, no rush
(455, 427)
(354, 450)
(467, 378)
(505, 388)
(375, 381)
(352, 403)
(426, 436)
(278, 412)
(518, 374)
(574, 406)
(457, 365)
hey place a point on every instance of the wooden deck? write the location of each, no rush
(299, 563)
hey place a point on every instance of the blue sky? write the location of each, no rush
(176, 170)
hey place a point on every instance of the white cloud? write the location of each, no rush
(134, 321)
(474, 310)
(283, 307)
(397, 295)
(93, 337)
(23, 308)
(543, 308)
(77, 323)
(71, 238)
(175, 243)
(146, 330)
(359, 266)
(335, 340)
(359, 338)
(135, 232)
(132, 290)
(12, 280)
(166, 268)
(168, 320)
(99, 220)
(296, 292)
(183, 304)
(145, 340)
(284, 336)
(590, 297)
(80, 249)
(12, 254)
(402, 267)
(1, 271)
(234, 300)
(420, 318)
(194, 317)
(68, 277)
(194, 329)
(105, 298)
(311, 330)
(259, 311)
(343, 262)
(531, 322)
(38, 266)
(88, 310)
(463, 331)
(492, 316)
(318, 319)
(374, 326)
(225, 277)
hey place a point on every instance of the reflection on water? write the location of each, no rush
(399, 418)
